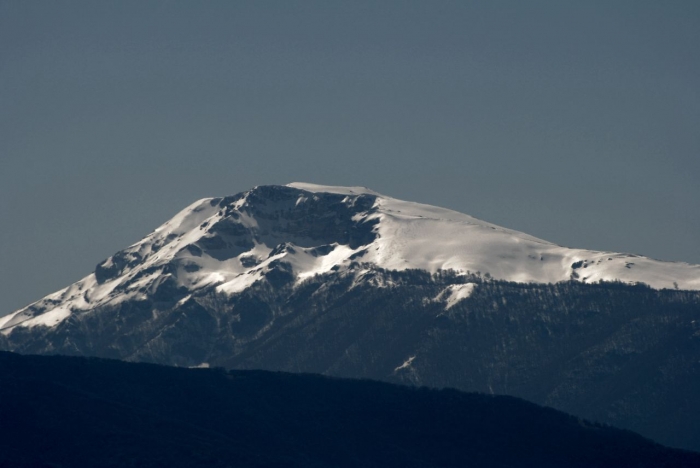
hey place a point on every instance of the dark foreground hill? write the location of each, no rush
(68, 412)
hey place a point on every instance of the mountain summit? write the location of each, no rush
(300, 230)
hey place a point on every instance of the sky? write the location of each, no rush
(576, 122)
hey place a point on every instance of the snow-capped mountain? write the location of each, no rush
(344, 281)
(305, 229)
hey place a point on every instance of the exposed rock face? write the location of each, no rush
(349, 283)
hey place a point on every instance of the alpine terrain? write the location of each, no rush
(346, 282)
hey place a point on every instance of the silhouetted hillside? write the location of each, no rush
(68, 412)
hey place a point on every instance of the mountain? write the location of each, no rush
(302, 230)
(75, 412)
(232, 242)
(346, 282)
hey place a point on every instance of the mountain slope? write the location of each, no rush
(70, 412)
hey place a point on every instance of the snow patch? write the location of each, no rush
(455, 293)
(47, 319)
(240, 283)
(406, 364)
(183, 300)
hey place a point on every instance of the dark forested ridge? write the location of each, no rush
(74, 412)
(623, 355)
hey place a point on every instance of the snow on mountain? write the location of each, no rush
(301, 230)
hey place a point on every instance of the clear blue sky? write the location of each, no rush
(577, 122)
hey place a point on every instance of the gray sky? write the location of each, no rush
(577, 122)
